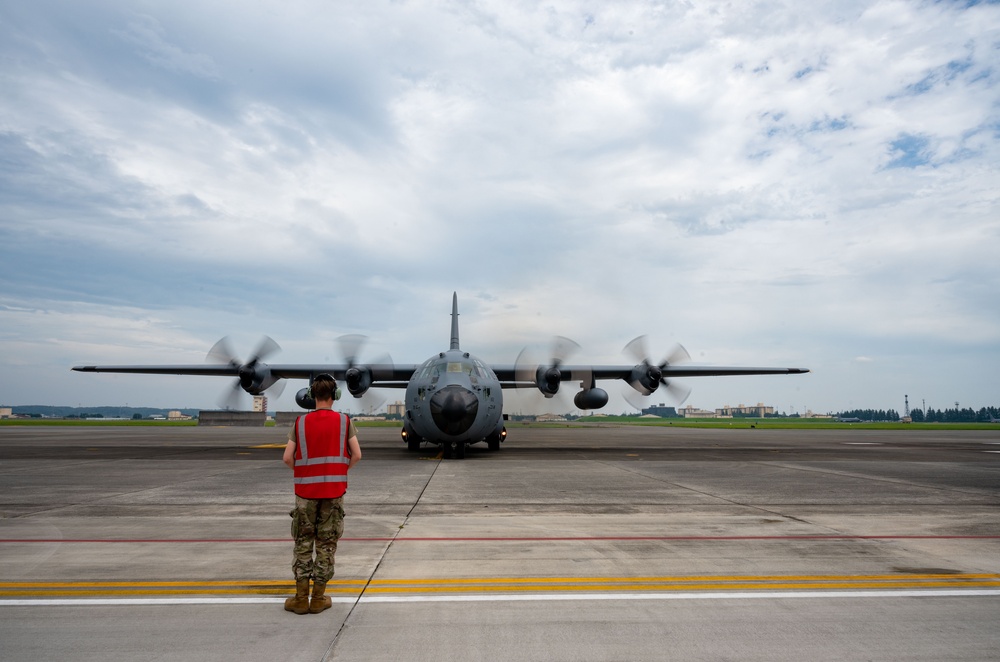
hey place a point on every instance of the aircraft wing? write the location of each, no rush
(384, 375)
(511, 376)
(281, 371)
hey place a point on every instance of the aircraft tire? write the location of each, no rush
(459, 450)
(413, 445)
(493, 443)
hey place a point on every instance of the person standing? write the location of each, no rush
(322, 447)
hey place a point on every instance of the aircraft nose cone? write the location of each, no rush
(454, 409)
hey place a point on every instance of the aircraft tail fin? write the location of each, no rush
(454, 320)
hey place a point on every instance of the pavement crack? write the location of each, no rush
(399, 529)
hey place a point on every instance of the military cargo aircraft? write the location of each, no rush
(453, 399)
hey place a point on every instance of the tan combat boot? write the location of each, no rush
(319, 601)
(300, 603)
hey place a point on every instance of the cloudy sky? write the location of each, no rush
(768, 183)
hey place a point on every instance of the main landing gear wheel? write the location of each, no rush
(413, 445)
(493, 441)
(458, 451)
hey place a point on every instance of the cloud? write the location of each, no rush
(763, 182)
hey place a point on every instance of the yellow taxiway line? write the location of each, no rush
(518, 585)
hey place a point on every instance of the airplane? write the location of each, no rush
(453, 399)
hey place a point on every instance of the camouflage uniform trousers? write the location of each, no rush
(318, 522)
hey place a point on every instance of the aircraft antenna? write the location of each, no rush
(454, 320)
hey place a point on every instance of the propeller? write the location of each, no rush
(361, 376)
(647, 377)
(541, 368)
(254, 377)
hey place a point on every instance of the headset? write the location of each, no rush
(326, 377)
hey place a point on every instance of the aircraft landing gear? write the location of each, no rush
(411, 439)
(458, 450)
(493, 441)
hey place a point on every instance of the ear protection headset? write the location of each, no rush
(326, 377)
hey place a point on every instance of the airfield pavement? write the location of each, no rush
(596, 543)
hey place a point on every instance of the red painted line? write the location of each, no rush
(492, 539)
(141, 540)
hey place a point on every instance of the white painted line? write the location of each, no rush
(537, 597)
(763, 595)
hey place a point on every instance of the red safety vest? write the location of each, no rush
(321, 454)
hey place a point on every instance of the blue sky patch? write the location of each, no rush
(909, 151)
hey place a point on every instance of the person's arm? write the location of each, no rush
(355, 449)
(289, 456)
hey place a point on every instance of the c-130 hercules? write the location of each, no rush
(454, 399)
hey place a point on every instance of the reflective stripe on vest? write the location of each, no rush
(331, 479)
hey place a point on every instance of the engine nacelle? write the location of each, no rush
(591, 398)
(254, 378)
(645, 378)
(547, 380)
(359, 380)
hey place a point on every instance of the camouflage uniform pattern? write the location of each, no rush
(319, 523)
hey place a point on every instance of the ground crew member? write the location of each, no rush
(322, 447)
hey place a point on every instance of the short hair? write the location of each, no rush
(324, 386)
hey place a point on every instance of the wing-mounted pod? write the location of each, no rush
(591, 397)
(304, 399)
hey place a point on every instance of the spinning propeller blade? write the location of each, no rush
(649, 377)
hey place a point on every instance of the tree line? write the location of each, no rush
(956, 415)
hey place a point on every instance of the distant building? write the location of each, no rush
(260, 403)
(661, 410)
(6, 412)
(395, 409)
(176, 415)
(760, 410)
(692, 412)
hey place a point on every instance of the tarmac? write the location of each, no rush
(574, 543)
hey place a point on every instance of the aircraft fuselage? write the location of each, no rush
(453, 399)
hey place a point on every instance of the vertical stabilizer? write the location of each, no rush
(454, 320)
